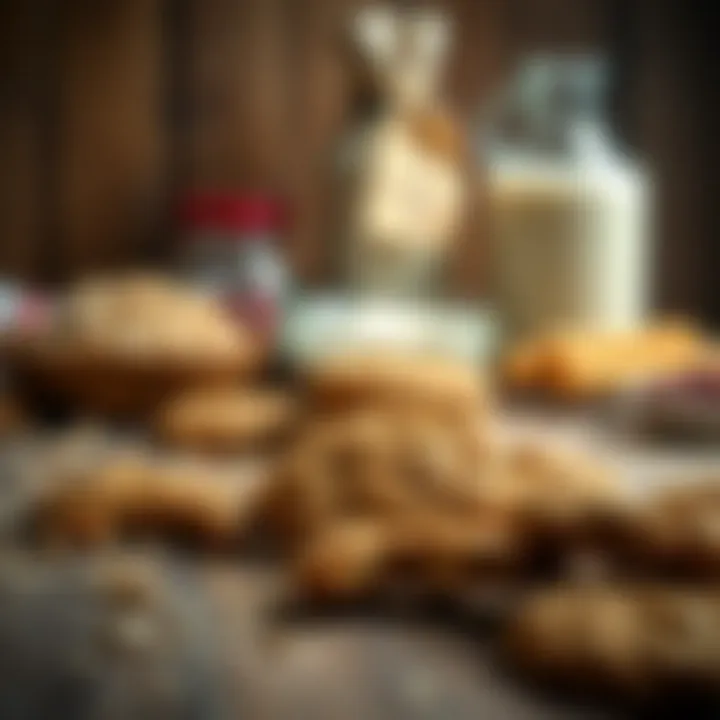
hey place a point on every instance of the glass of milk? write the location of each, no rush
(569, 211)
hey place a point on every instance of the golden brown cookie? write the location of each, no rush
(442, 532)
(374, 464)
(676, 532)
(583, 364)
(226, 420)
(146, 318)
(672, 534)
(620, 638)
(140, 496)
(446, 388)
(122, 345)
(367, 558)
(560, 497)
(345, 561)
(383, 466)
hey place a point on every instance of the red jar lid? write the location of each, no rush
(232, 212)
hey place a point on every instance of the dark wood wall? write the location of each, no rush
(108, 108)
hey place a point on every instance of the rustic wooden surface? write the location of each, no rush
(364, 665)
(251, 656)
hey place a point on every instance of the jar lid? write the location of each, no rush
(232, 212)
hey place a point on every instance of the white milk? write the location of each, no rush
(569, 244)
(569, 211)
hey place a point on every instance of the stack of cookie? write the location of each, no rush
(397, 482)
(393, 480)
(150, 349)
(398, 473)
(145, 346)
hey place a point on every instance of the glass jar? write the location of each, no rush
(231, 249)
(568, 210)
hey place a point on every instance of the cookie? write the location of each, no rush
(147, 318)
(676, 532)
(529, 513)
(344, 561)
(584, 364)
(415, 556)
(450, 389)
(374, 464)
(561, 498)
(122, 345)
(383, 464)
(625, 639)
(138, 496)
(669, 535)
(226, 420)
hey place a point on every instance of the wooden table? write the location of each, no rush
(254, 660)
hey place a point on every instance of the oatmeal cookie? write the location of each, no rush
(676, 532)
(124, 344)
(629, 639)
(226, 420)
(419, 555)
(437, 386)
(374, 464)
(137, 495)
(583, 364)
(442, 511)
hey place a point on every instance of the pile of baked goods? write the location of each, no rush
(121, 345)
(387, 473)
(387, 476)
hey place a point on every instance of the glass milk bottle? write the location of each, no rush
(568, 211)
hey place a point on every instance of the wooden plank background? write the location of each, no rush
(109, 109)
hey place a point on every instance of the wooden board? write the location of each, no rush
(364, 667)
(248, 654)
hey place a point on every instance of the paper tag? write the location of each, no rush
(411, 197)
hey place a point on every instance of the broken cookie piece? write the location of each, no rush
(226, 420)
